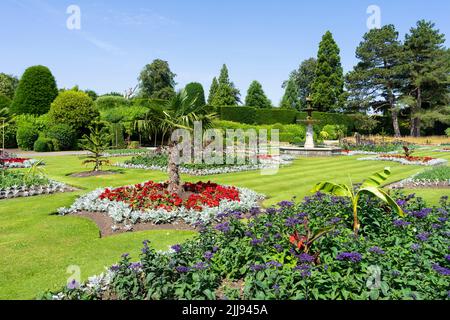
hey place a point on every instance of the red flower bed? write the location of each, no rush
(14, 160)
(410, 158)
(151, 195)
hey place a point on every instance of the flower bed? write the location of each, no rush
(151, 202)
(437, 177)
(301, 251)
(17, 162)
(159, 162)
(17, 184)
(407, 160)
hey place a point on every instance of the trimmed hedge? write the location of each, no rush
(27, 134)
(43, 145)
(62, 136)
(249, 115)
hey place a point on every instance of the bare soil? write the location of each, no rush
(105, 224)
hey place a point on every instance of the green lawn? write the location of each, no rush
(37, 246)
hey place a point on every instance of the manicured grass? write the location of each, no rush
(37, 246)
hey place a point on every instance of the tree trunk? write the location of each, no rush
(173, 170)
(415, 121)
(395, 123)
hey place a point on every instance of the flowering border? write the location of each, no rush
(27, 163)
(265, 165)
(433, 162)
(122, 212)
(24, 191)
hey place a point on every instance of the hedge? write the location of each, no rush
(249, 115)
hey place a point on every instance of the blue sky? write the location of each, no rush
(257, 39)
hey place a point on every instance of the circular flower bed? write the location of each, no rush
(407, 160)
(303, 251)
(152, 202)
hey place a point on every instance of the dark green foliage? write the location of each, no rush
(8, 85)
(36, 91)
(27, 134)
(275, 115)
(290, 99)
(428, 76)
(328, 85)
(43, 145)
(62, 135)
(195, 90)
(213, 90)
(92, 94)
(256, 97)
(5, 102)
(226, 94)
(117, 138)
(75, 109)
(156, 81)
(110, 102)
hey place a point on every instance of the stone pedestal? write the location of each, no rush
(309, 143)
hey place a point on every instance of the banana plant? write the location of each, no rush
(371, 186)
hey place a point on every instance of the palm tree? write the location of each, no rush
(180, 112)
(97, 142)
(370, 186)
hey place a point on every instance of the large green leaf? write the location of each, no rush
(333, 188)
(377, 178)
(382, 195)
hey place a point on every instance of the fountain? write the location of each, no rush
(310, 149)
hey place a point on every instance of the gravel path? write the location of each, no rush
(31, 154)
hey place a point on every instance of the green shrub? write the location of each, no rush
(195, 90)
(447, 132)
(111, 102)
(36, 91)
(75, 109)
(134, 145)
(238, 114)
(275, 115)
(5, 102)
(10, 136)
(62, 135)
(335, 131)
(27, 134)
(43, 145)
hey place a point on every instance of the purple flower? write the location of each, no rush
(401, 223)
(200, 266)
(257, 267)
(415, 247)
(223, 227)
(411, 196)
(422, 213)
(278, 247)
(72, 285)
(268, 225)
(255, 211)
(271, 211)
(376, 250)
(114, 268)
(349, 256)
(135, 266)
(436, 226)
(277, 235)
(441, 270)
(274, 264)
(208, 255)
(291, 221)
(286, 204)
(248, 234)
(256, 241)
(447, 257)
(305, 270)
(125, 255)
(401, 203)
(276, 287)
(215, 249)
(176, 248)
(182, 269)
(335, 220)
(423, 236)
(306, 258)
(443, 219)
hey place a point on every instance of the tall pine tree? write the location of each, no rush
(256, 97)
(328, 86)
(375, 82)
(290, 98)
(428, 74)
(226, 94)
(213, 90)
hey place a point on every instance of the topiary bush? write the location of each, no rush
(195, 90)
(36, 91)
(74, 108)
(111, 102)
(43, 145)
(62, 136)
(26, 136)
